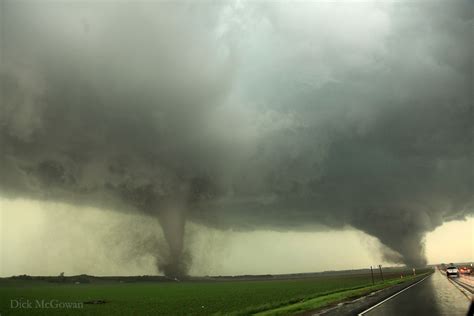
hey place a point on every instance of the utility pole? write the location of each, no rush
(381, 273)
(372, 273)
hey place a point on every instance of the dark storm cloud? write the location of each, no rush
(281, 116)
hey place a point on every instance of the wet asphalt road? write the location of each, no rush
(434, 296)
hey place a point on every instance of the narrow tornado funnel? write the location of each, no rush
(172, 220)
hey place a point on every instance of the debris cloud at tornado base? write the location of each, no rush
(245, 116)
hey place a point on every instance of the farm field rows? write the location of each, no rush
(241, 297)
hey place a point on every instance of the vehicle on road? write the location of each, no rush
(452, 271)
(465, 270)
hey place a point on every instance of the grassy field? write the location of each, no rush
(187, 298)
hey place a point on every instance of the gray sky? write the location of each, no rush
(244, 116)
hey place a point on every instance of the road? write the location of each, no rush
(434, 296)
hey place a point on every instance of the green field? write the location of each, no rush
(189, 297)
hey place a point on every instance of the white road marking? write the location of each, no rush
(390, 297)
